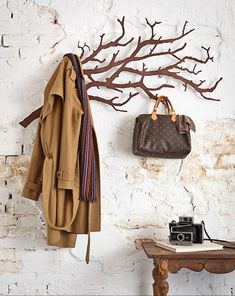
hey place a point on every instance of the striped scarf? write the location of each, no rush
(87, 139)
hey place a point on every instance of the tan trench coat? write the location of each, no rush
(54, 166)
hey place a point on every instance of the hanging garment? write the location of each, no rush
(87, 138)
(55, 164)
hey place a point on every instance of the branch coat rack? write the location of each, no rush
(117, 65)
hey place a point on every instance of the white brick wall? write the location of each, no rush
(139, 196)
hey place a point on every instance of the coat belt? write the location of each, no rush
(49, 194)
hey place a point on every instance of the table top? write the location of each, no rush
(152, 251)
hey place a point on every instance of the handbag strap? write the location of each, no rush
(167, 103)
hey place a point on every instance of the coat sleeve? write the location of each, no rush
(33, 184)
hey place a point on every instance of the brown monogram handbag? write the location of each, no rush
(163, 136)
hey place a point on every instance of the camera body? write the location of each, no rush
(185, 232)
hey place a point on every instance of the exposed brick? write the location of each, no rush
(50, 40)
(5, 14)
(20, 40)
(6, 52)
(11, 27)
(4, 68)
(27, 52)
(21, 208)
(8, 220)
(2, 209)
(7, 255)
(10, 266)
(30, 221)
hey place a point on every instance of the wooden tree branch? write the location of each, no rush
(112, 102)
(83, 49)
(152, 27)
(114, 43)
(140, 51)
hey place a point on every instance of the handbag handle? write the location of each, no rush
(167, 103)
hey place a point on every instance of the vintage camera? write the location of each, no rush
(185, 232)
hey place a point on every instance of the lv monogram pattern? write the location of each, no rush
(159, 138)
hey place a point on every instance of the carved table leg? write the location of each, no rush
(160, 274)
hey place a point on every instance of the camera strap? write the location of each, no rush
(225, 243)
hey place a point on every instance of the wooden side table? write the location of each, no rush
(222, 261)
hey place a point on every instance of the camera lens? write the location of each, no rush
(180, 237)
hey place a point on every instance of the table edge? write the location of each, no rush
(189, 255)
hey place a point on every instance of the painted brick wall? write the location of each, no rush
(139, 196)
